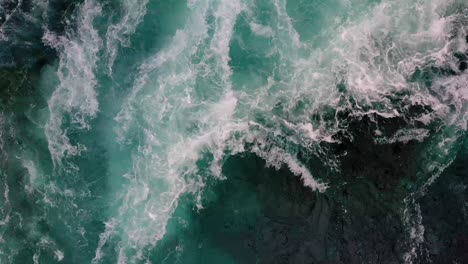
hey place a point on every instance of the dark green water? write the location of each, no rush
(233, 131)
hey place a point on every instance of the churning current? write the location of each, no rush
(233, 131)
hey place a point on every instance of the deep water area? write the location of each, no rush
(233, 131)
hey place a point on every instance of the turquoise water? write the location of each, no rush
(233, 131)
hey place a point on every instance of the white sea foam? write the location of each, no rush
(118, 34)
(176, 124)
(33, 173)
(75, 96)
(165, 164)
(59, 255)
(261, 30)
(412, 219)
(5, 203)
(277, 158)
(376, 56)
(157, 177)
(225, 18)
(285, 28)
(405, 135)
(382, 52)
(103, 238)
(5, 24)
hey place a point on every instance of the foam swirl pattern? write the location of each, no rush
(233, 131)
